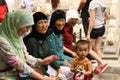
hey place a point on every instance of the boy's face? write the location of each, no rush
(82, 51)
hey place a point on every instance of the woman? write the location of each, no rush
(68, 37)
(57, 23)
(14, 58)
(97, 11)
(37, 42)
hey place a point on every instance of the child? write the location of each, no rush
(82, 63)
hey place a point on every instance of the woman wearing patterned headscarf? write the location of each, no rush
(14, 58)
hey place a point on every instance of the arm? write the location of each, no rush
(73, 67)
(32, 48)
(107, 15)
(70, 52)
(81, 5)
(89, 71)
(15, 61)
(91, 23)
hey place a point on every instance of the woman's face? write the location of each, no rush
(42, 26)
(72, 22)
(60, 23)
(23, 30)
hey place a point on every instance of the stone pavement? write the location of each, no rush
(112, 72)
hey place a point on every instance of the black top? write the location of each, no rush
(85, 13)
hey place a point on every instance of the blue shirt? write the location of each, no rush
(57, 47)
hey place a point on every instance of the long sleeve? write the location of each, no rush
(10, 58)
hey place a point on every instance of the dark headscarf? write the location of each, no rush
(34, 34)
(58, 14)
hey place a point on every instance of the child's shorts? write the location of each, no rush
(97, 32)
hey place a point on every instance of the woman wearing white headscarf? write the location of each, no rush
(14, 58)
(97, 11)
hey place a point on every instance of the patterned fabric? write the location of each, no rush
(83, 64)
(12, 49)
(28, 5)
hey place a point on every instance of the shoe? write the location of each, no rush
(103, 68)
(96, 71)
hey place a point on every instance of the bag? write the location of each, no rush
(3, 11)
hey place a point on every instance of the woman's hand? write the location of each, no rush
(48, 78)
(88, 37)
(74, 54)
(48, 60)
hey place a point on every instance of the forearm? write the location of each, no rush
(69, 51)
(37, 76)
(91, 21)
(87, 73)
(47, 60)
(81, 5)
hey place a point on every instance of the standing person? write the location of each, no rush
(97, 11)
(81, 62)
(14, 58)
(37, 42)
(57, 23)
(29, 5)
(83, 6)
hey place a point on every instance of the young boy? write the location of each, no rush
(81, 62)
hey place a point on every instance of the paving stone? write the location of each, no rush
(111, 73)
(107, 76)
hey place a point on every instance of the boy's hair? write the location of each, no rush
(81, 42)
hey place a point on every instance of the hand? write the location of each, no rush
(48, 78)
(74, 54)
(88, 37)
(48, 60)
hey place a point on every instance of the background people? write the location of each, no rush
(14, 59)
(97, 11)
(28, 5)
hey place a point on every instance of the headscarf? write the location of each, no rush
(34, 33)
(58, 14)
(71, 13)
(8, 29)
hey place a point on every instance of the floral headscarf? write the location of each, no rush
(8, 29)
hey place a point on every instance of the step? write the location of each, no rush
(111, 52)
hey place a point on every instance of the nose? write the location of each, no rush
(27, 29)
